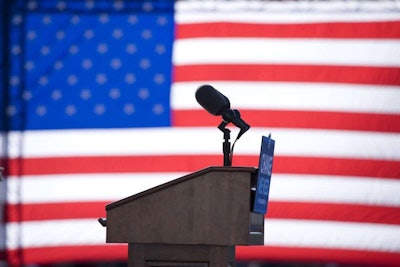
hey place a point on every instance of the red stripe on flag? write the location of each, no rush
(288, 73)
(276, 209)
(112, 164)
(298, 119)
(333, 212)
(188, 163)
(337, 166)
(63, 254)
(2, 255)
(45, 255)
(55, 211)
(352, 30)
(305, 254)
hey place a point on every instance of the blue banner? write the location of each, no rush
(264, 175)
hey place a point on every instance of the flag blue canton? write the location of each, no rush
(91, 70)
(3, 66)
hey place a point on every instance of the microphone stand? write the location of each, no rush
(226, 145)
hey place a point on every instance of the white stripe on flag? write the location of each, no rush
(284, 187)
(335, 189)
(205, 140)
(287, 51)
(285, 16)
(97, 187)
(364, 236)
(295, 96)
(55, 233)
(286, 11)
(277, 232)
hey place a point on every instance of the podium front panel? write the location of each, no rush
(209, 207)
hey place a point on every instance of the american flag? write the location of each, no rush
(98, 104)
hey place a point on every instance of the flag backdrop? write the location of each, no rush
(98, 104)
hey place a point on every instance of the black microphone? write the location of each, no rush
(212, 100)
(217, 104)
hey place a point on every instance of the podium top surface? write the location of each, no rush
(179, 180)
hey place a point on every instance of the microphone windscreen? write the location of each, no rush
(212, 100)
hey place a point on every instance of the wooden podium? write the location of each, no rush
(193, 221)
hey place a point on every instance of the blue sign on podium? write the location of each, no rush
(264, 175)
